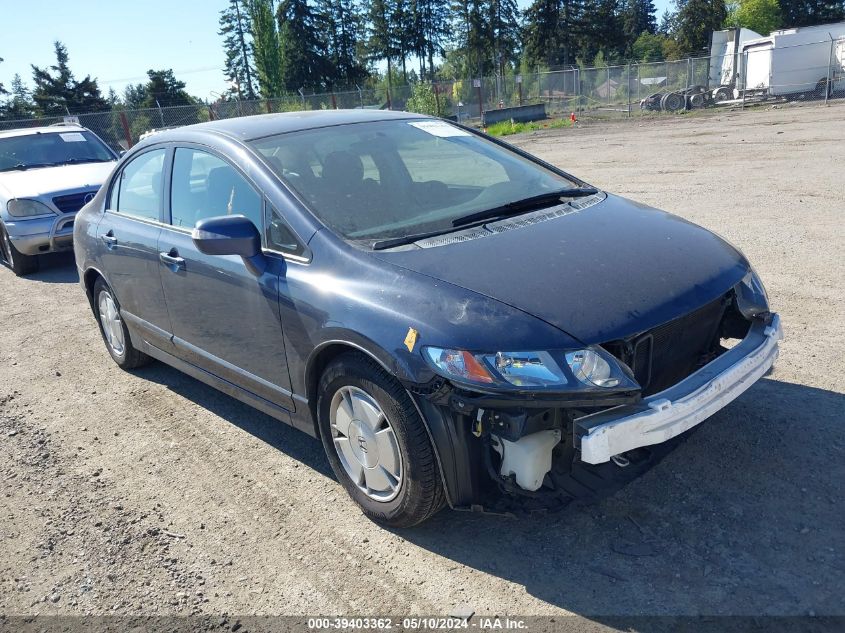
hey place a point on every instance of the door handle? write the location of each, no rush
(172, 259)
(109, 239)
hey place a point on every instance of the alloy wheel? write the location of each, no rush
(366, 444)
(112, 325)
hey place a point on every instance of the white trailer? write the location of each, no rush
(725, 47)
(792, 62)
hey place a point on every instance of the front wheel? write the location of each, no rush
(19, 263)
(377, 444)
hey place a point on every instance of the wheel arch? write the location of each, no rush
(326, 352)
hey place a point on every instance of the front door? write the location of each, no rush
(225, 319)
(128, 234)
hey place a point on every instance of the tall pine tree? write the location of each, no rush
(302, 53)
(58, 92)
(266, 47)
(551, 30)
(638, 17)
(695, 23)
(342, 32)
(235, 29)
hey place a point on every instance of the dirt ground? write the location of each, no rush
(150, 493)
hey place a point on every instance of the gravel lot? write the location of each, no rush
(150, 493)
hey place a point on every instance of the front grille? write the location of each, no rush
(667, 354)
(73, 202)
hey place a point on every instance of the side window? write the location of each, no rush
(204, 186)
(140, 186)
(280, 237)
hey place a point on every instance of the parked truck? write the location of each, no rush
(725, 50)
(793, 62)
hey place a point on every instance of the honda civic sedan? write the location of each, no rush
(456, 320)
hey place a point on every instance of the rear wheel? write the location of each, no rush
(19, 263)
(673, 102)
(113, 329)
(377, 444)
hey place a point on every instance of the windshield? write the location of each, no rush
(391, 179)
(49, 149)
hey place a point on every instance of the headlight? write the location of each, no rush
(591, 369)
(751, 297)
(530, 370)
(28, 208)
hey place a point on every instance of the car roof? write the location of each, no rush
(44, 129)
(259, 126)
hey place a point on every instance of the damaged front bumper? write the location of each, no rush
(667, 414)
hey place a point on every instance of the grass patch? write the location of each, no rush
(506, 128)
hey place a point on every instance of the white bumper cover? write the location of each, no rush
(665, 415)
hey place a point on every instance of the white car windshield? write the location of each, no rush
(50, 149)
(391, 179)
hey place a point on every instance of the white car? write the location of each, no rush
(47, 174)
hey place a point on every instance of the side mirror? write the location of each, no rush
(230, 235)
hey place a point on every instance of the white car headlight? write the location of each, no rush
(28, 208)
(530, 370)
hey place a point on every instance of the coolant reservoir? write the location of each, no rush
(528, 459)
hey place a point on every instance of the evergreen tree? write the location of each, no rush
(602, 30)
(696, 21)
(164, 90)
(58, 93)
(504, 33)
(667, 22)
(432, 31)
(20, 105)
(235, 28)
(266, 47)
(343, 34)
(551, 30)
(134, 96)
(380, 39)
(811, 12)
(302, 52)
(638, 17)
(2, 89)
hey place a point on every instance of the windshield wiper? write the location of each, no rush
(24, 167)
(512, 208)
(526, 204)
(73, 161)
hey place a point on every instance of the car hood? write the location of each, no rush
(46, 181)
(605, 272)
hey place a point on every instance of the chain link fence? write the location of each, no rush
(763, 70)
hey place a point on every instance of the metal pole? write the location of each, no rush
(360, 95)
(629, 90)
(639, 83)
(607, 85)
(827, 88)
(480, 101)
(744, 77)
(160, 113)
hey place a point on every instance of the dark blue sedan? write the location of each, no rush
(457, 321)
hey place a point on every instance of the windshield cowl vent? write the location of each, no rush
(516, 222)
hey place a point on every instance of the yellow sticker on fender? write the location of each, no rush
(411, 339)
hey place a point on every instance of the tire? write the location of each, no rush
(722, 94)
(17, 262)
(697, 100)
(673, 102)
(398, 484)
(824, 88)
(113, 329)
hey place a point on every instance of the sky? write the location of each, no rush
(117, 42)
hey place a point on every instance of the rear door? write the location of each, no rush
(225, 319)
(128, 235)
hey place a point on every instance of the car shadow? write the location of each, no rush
(279, 435)
(55, 268)
(744, 518)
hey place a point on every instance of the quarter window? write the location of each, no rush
(205, 186)
(140, 186)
